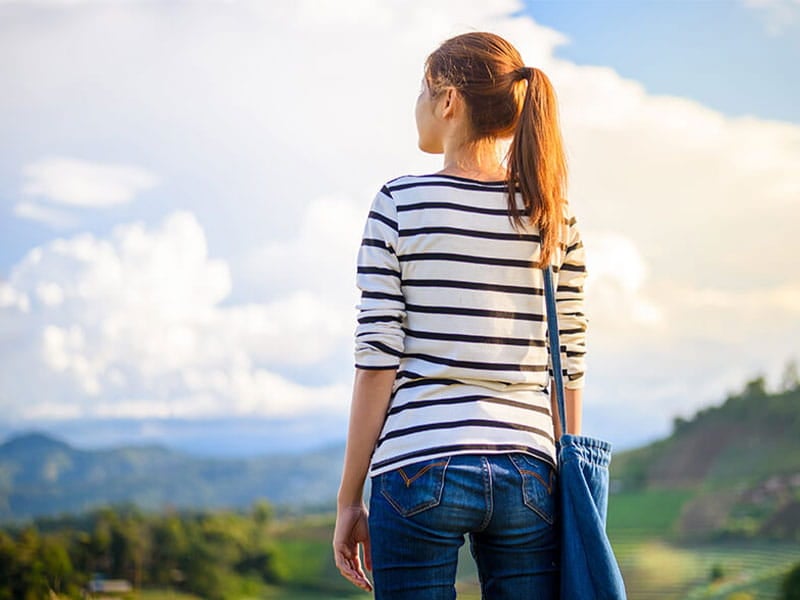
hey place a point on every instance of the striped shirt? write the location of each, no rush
(451, 299)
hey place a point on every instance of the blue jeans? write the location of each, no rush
(507, 503)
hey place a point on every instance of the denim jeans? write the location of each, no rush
(507, 503)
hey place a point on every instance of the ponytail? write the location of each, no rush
(537, 164)
(489, 72)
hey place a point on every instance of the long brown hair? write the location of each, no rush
(489, 73)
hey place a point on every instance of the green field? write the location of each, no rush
(640, 526)
(652, 569)
(655, 564)
(658, 561)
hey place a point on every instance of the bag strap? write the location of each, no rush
(555, 348)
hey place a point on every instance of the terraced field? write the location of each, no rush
(653, 568)
(642, 530)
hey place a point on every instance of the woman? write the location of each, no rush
(451, 416)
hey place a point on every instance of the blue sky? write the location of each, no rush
(183, 189)
(737, 59)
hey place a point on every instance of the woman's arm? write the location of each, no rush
(371, 393)
(572, 325)
(574, 405)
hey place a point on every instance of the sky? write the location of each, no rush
(183, 188)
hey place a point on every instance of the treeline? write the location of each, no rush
(756, 405)
(210, 554)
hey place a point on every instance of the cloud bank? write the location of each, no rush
(218, 280)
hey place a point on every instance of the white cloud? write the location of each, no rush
(276, 122)
(616, 274)
(319, 255)
(52, 217)
(9, 297)
(74, 182)
(134, 325)
(779, 15)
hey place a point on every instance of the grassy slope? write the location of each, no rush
(640, 528)
(731, 447)
(745, 439)
(721, 463)
(711, 454)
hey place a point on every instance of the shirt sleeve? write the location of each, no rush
(381, 312)
(572, 321)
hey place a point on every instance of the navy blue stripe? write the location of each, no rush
(569, 288)
(384, 348)
(423, 382)
(379, 319)
(466, 258)
(503, 183)
(469, 364)
(377, 271)
(575, 330)
(477, 339)
(473, 312)
(383, 219)
(448, 184)
(383, 296)
(377, 244)
(453, 206)
(473, 285)
(463, 423)
(575, 246)
(470, 447)
(491, 235)
(576, 268)
(466, 399)
(409, 374)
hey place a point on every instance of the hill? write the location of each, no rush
(735, 467)
(41, 475)
(731, 470)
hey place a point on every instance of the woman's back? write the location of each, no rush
(450, 297)
(451, 412)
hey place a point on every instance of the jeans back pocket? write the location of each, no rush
(414, 488)
(539, 482)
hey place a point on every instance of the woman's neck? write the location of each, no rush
(476, 160)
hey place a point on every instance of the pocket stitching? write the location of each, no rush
(422, 507)
(420, 473)
(529, 502)
(548, 486)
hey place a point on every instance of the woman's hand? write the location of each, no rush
(351, 530)
(371, 392)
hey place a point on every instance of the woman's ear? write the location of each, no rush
(449, 100)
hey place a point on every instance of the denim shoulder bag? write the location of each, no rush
(589, 569)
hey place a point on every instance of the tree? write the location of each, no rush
(262, 512)
(169, 545)
(717, 572)
(8, 566)
(56, 565)
(790, 380)
(679, 424)
(755, 388)
(790, 589)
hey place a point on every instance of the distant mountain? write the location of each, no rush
(739, 464)
(736, 467)
(218, 437)
(41, 475)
